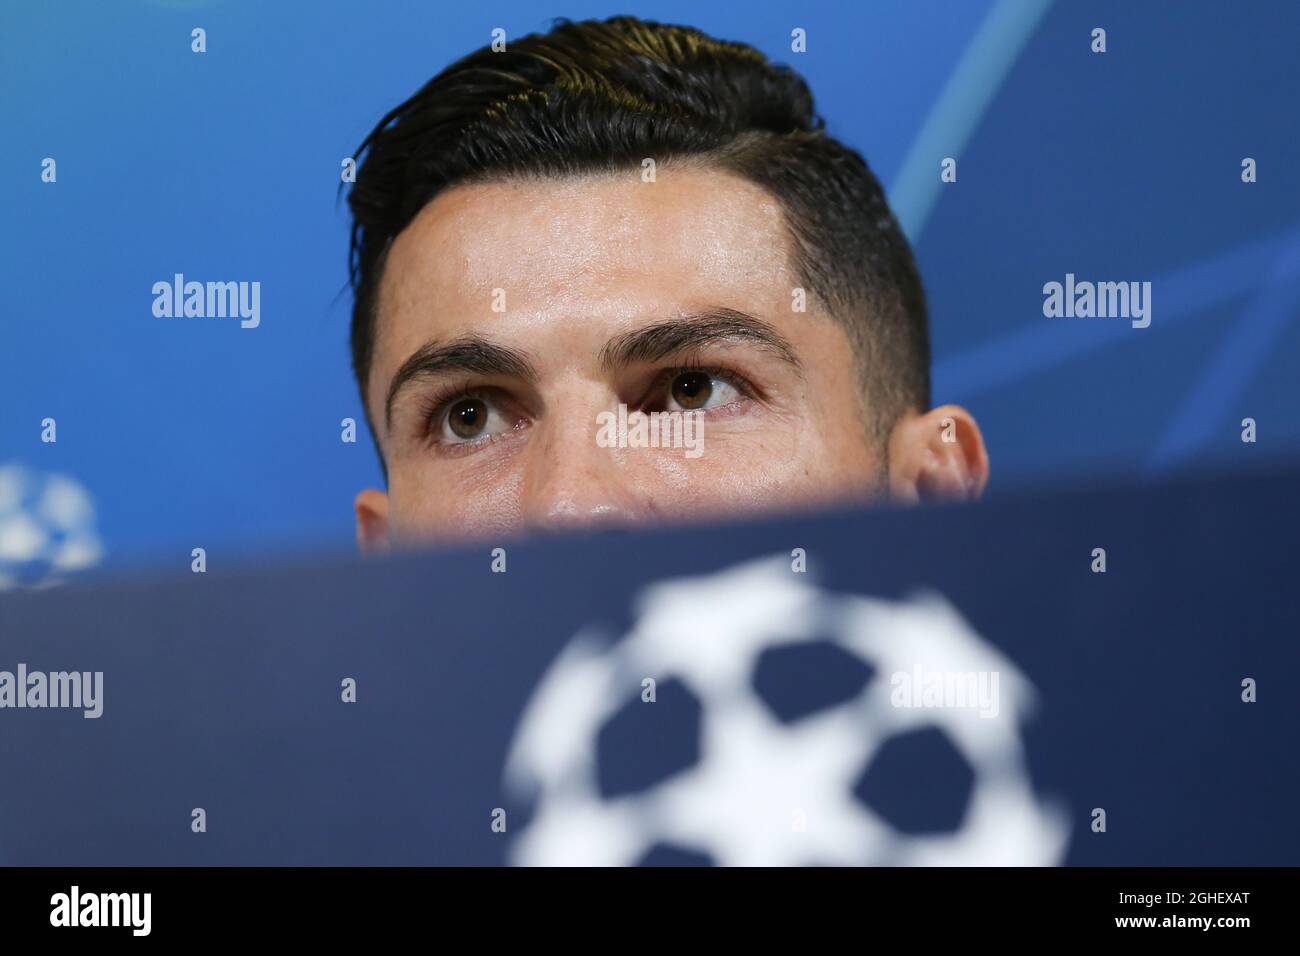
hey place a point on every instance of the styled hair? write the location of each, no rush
(601, 96)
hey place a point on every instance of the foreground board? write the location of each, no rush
(950, 685)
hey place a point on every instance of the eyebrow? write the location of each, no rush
(652, 343)
(662, 340)
(469, 353)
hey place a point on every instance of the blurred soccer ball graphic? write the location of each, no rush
(727, 766)
(47, 528)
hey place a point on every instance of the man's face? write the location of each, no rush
(523, 310)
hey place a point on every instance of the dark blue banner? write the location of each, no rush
(1107, 678)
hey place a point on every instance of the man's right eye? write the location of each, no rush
(469, 419)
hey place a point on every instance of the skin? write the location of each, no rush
(585, 264)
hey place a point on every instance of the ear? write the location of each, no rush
(372, 522)
(937, 456)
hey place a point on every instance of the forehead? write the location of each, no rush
(537, 233)
(606, 248)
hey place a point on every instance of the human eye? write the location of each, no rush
(698, 389)
(470, 418)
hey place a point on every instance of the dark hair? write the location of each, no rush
(603, 95)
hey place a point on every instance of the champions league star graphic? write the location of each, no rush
(774, 781)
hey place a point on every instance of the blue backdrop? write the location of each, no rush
(224, 165)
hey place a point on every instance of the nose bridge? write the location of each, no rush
(570, 479)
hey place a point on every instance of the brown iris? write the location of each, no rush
(467, 417)
(692, 389)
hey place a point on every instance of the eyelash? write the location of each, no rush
(435, 407)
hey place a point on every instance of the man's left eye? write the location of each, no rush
(692, 390)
